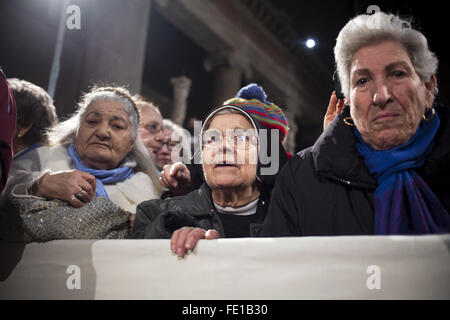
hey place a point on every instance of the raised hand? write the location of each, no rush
(176, 178)
(335, 106)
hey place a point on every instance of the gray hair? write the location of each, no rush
(179, 132)
(142, 103)
(365, 30)
(65, 132)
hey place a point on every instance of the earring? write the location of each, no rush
(431, 117)
(349, 121)
(19, 135)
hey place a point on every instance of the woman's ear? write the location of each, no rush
(430, 87)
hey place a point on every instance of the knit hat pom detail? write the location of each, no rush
(252, 91)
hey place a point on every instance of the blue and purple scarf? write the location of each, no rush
(404, 204)
(101, 176)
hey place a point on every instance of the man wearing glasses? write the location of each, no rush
(150, 126)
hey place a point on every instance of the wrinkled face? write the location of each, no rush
(104, 136)
(163, 156)
(230, 162)
(150, 130)
(387, 97)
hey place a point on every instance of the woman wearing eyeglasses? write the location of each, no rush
(234, 199)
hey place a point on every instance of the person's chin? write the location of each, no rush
(225, 182)
(98, 154)
(161, 164)
(390, 138)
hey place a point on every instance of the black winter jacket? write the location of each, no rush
(327, 189)
(158, 219)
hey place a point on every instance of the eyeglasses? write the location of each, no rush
(153, 127)
(239, 138)
(170, 144)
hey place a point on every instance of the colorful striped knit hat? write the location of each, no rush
(252, 99)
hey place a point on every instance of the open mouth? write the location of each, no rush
(225, 165)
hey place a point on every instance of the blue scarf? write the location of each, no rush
(102, 176)
(404, 204)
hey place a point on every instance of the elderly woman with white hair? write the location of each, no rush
(94, 154)
(383, 163)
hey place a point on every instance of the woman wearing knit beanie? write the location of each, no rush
(181, 179)
(239, 175)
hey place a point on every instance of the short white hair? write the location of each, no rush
(365, 30)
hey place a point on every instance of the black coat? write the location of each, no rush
(158, 219)
(327, 189)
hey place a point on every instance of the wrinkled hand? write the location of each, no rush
(65, 185)
(186, 238)
(176, 178)
(335, 106)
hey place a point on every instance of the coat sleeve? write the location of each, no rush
(8, 116)
(282, 219)
(155, 221)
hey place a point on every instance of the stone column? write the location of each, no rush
(116, 42)
(228, 69)
(181, 88)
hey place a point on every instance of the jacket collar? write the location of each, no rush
(437, 165)
(335, 155)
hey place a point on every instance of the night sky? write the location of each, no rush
(171, 53)
(323, 19)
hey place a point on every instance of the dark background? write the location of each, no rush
(320, 20)
(28, 31)
(323, 19)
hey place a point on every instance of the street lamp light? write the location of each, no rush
(310, 43)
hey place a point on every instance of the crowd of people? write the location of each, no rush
(117, 169)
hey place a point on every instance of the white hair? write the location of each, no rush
(365, 30)
(65, 132)
(143, 104)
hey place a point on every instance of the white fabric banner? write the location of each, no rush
(363, 267)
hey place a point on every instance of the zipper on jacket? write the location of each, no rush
(350, 183)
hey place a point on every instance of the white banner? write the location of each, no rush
(363, 267)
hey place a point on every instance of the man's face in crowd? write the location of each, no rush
(150, 130)
(164, 155)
